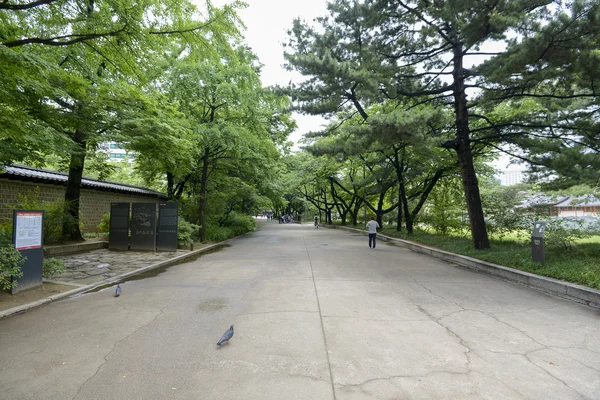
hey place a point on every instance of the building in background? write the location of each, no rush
(116, 152)
(512, 177)
(581, 206)
(541, 205)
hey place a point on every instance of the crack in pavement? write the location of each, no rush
(437, 372)
(320, 317)
(495, 318)
(437, 295)
(488, 314)
(437, 321)
(374, 319)
(526, 355)
(115, 344)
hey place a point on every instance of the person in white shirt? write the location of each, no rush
(372, 225)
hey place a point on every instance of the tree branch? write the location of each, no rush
(15, 7)
(59, 40)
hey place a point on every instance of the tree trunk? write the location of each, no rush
(379, 213)
(202, 202)
(399, 217)
(70, 228)
(465, 156)
(170, 184)
(404, 206)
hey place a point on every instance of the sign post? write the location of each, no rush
(28, 238)
(537, 241)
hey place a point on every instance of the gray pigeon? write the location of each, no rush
(226, 336)
(118, 291)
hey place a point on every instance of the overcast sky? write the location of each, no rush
(267, 22)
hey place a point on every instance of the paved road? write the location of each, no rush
(317, 316)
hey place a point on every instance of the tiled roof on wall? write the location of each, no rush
(585, 201)
(542, 200)
(30, 174)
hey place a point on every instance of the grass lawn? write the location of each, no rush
(580, 265)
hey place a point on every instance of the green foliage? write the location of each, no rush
(186, 232)
(241, 223)
(562, 233)
(575, 191)
(6, 234)
(104, 225)
(236, 225)
(52, 267)
(537, 93)
(54, 214)
(75, 75)
(218, 233)
(10, 267)
(498, 204)
(188, 208)
(445, 210)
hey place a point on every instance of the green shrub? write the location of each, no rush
(104, 225)
(10, 267)
(52, 267)
(240, 223)
(218, 233)
(5, 235)
(235, 225)
(186, 232)
(563, 232)
(445, 209)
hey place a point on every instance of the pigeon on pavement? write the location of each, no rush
(118, 291)
(226, 336)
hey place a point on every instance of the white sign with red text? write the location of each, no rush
(28, 230)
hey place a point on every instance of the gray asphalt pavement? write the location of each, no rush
(317, 315)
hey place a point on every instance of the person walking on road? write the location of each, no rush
(316, 221)
(372, 225)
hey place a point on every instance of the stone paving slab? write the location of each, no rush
(97, 265)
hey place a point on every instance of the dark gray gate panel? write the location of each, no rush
(119, 226)
(143, 226)
(166, 239)
(28, 238)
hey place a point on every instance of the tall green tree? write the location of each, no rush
(97, 54)
(232, 127)
(540, 95)
(409, 48)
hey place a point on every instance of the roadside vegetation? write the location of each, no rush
(579, 264)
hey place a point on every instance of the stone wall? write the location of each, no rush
(93, 203)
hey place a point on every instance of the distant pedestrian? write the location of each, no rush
(372, 225)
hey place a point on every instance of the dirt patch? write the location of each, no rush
(29, 296)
